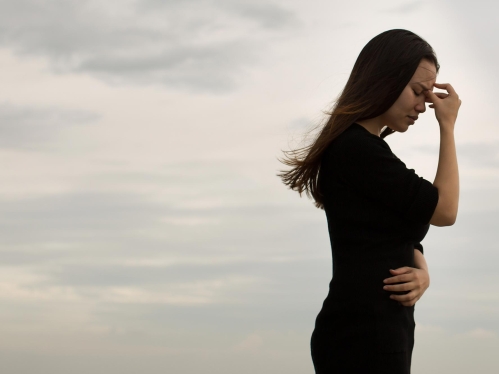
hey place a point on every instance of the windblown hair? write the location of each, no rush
(384, 67)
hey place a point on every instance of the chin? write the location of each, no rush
(399, 128)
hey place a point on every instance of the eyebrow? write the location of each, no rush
(422, 86)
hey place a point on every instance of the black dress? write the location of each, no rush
(377, 211)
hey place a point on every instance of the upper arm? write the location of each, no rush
(419, 247)
(369, 167)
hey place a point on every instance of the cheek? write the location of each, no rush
(401, 106)
(407, 103)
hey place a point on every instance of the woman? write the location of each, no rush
(378, 211)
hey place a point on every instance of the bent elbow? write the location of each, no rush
(449, 220)
(442, 220)
(445, 213)
(452, 220)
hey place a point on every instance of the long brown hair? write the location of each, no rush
(384, 67)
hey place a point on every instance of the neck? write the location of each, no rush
(372, 125)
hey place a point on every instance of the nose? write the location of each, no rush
(420, 106)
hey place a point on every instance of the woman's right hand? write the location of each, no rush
(446, 105)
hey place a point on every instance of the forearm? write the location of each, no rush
(419, 260)
(447, 176)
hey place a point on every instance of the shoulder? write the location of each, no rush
(357, 140)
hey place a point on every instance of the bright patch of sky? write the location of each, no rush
(144, 228)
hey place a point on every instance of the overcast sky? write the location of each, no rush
(143, 227)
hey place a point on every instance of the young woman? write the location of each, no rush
(378, 211)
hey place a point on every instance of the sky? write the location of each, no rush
(143, 226)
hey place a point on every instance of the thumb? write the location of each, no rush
(400, 270)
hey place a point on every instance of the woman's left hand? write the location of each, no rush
(414, 281)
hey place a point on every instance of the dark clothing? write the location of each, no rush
(377, 211)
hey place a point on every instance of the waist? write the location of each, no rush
(360, 277)
(352, 259)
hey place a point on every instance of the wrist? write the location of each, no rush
(446, 127)
(419, 260)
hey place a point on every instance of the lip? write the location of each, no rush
(414, 119)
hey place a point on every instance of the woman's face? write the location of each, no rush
(411, 101)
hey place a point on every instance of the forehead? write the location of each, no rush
(426, 72)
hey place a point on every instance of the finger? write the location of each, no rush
(401, 270)
(407, 277)
(407, 297)
(446, 86)
(429, 94)
(399, 287)
(430, 100)
(441, 95)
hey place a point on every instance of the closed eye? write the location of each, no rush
(417, 94)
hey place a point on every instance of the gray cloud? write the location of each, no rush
(83, 240)
(33, 128)
(79, 226)
(195, 45)
(285, 247)
(264, 13)
(268, 15)
(89, 223)
(80, 217)
(472, 154)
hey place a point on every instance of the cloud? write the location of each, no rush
(482, 333)
(79, 217)
(125, 247)
(483, 154)
(196, 45)
(252, 342)
(32, 128)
